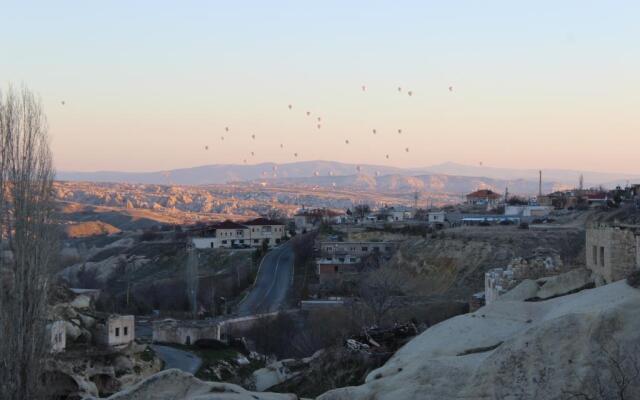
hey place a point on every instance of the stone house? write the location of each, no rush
(498, 281)
(613, 251)
(339, 259)
(229, 234)
(115, 330)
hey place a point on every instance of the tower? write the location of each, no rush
(540, 184)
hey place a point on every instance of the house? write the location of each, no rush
(599, 199)
(613, 251)
(265, 230)
(334, 268)
(58, 336)
(229, 234)
(308, 219)
(483, 197)
(115, 330)
(437, 218)
(340, 259)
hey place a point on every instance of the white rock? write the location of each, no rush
(542, 349)
(81, 302)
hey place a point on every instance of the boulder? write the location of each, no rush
(81, 302)
(548, 349)
(174, 384)
(565, 283)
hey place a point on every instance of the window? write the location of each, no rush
(335, 268)
(224, 242)
(602, 256)
(341, 259)
(595, 255)
(211, 245)
(365, 248)
(125, 330)
(241, 241)
(256, 241)
(352, 259)
(117, 332)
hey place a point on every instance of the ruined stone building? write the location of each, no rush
(613, 251)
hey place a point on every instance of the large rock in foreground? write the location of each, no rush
(552, 349)
(174, 384)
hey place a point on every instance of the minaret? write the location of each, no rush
(540, 184)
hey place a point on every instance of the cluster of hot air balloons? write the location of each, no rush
(318, 123)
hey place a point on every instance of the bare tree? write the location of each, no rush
(381, 291)
(26, 205)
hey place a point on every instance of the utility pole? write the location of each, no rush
(540, 184)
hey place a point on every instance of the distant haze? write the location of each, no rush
(323, 172)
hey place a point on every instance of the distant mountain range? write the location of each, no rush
(364, 176)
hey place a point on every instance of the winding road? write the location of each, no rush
(175, 358)
(275, 277)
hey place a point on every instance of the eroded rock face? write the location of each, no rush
(174, 384)
(517, 350)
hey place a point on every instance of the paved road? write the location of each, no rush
(272, 284)
(174, 358)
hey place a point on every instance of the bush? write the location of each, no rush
(633, 279)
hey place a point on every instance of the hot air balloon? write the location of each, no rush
(451, 88)
(319, 119)
(406, 149)
(253, 136)
(221, 137)
(275, 168)
(226, 128)
(281, 145)
(399, 130)
(387, 156)
(377, 173)
(358, 168)
(330, 173)
(316, 173)
(245, 160)
(206, 147)
(410, 93)
(295, 154)
(308, 113)
(399, 89)
(364, 88)
(252, 154)
(290, 106)
(333, 184)
(346, 141)
(62, 102)
(374, 131)
(319, 126)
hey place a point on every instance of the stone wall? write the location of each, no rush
(612, 251)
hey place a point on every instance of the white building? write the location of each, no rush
(229, 234)
(437, 217)
(58, 336)
(116, 330)
(527, 211)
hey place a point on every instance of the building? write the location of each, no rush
(527, 211)
(437, 218)
(265, 230)
(340, 260)
(229, 234)
(612, 252)
(599, 199)
(336, 268)
(483, 197)
(58, 336)
(308, 219)
(115, 330)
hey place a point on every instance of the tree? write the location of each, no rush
(26, 208)
(381, 291)
(361, 210)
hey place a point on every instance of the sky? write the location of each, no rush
(148, 85)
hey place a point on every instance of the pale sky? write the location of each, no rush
(149, 84)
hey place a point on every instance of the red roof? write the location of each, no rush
(484, 194)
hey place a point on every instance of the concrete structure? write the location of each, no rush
(116, 330)
(354, 249)
(334, 268)
(58, 336)
(308, 219)
(613, 251)
(229, 234)
(527, 211)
